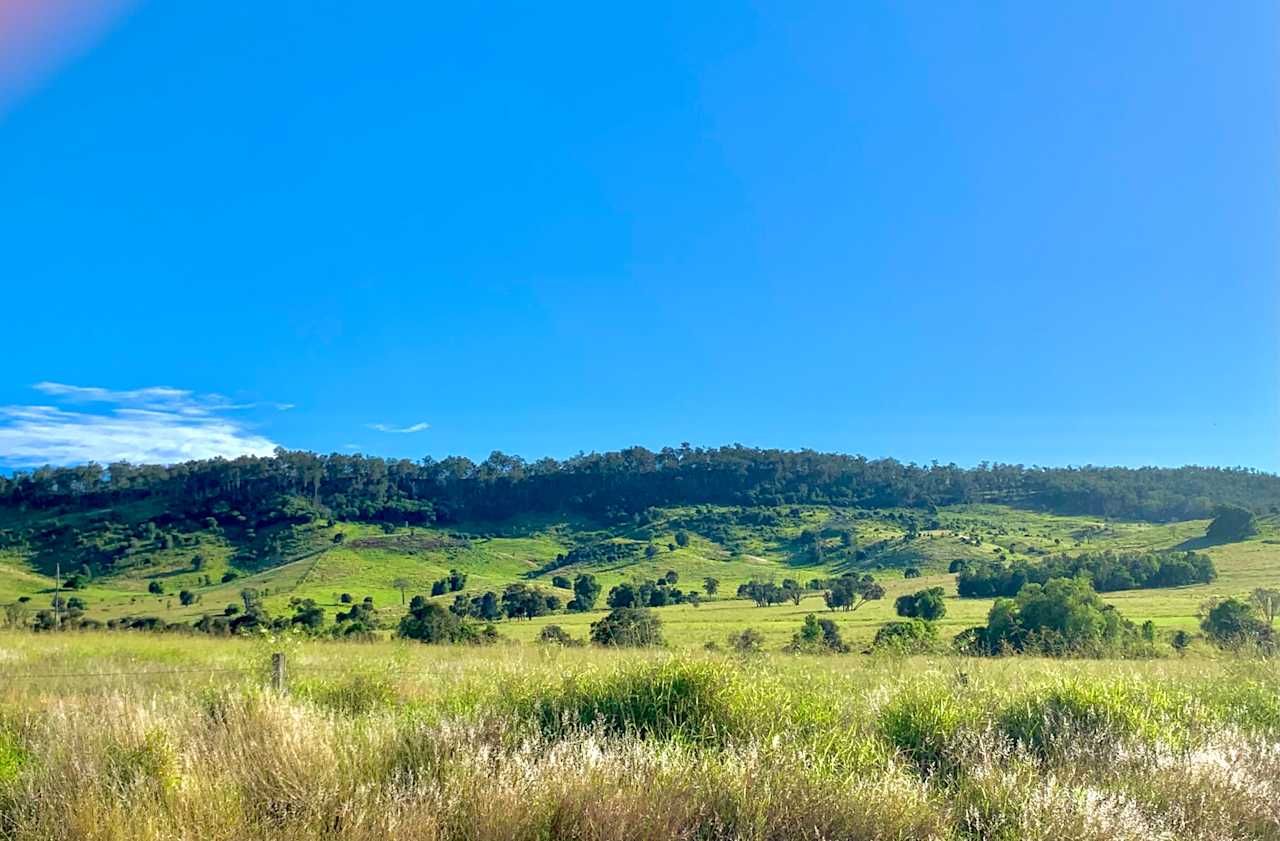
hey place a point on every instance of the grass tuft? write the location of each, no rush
(681, 700)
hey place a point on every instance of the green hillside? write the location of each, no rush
(304, 556)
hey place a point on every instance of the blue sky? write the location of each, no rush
(1025, 232)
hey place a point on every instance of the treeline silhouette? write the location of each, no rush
(627, 482)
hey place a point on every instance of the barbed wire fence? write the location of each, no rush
(278, 673)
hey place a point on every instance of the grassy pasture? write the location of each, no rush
(178, 738)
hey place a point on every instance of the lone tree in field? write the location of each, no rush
(401, 584)
(555, 635)
(623, 595)
(308, 616)
(1231, 523)
(1232, 623)
(849, 593)
(250, 597)
(429, 622)
(817, 636)
(1267, 601)
(924, 604)
(763, 593)
(711, 585)
(520, 601)
(585, 592)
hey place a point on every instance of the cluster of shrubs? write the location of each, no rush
(1061, 616)
(452, 583)
(817, 636)
(1106, 571)
(595, 554)
(522, 601)
(812, 546)
(847, 592)
(915, 632)
(359, 618)
(766, 593)
(359, 621)
(634, 627)
(723, 526)
(427, 621)
(1236, 623)
(656, 593)
(1065, 616)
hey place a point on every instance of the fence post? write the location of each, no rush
(277, 672)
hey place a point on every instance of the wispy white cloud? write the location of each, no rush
(151, 425)
(384, 427)
(161, 398)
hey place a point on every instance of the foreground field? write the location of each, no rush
(135, 736)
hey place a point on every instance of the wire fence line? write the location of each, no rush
(277, 663)
(143, 673)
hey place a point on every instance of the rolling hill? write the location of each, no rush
(335, 529)
(372, 559)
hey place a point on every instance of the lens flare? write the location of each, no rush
(39, 36)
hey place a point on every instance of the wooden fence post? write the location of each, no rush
(277, 672)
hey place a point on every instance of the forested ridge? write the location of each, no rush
(627, 482)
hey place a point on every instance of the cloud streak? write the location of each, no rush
(148, 425)
(399, 430)
(160, 398)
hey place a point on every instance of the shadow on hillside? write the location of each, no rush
(1195, 544)
(800, 559)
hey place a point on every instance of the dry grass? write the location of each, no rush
(515, 743)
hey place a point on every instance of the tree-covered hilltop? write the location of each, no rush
(627, 482)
